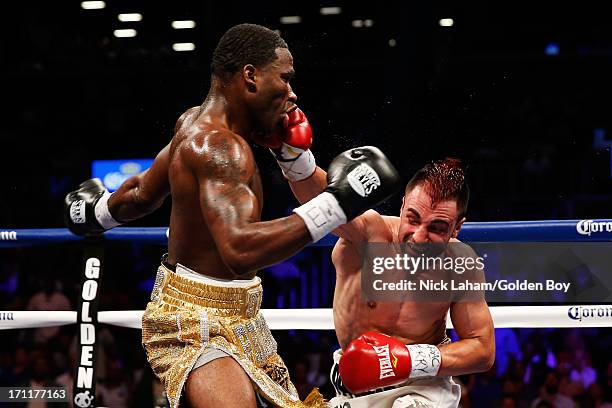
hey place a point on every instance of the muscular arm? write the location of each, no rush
(304, 190)
(143, 193)
(475, 352)
(311, 187)
(224, 168)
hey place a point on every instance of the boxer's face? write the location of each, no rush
(421, 222)
(273, 96)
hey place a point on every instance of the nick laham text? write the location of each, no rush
(451, 285)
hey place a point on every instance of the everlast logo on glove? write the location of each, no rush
(77, 212)
(363, 179)
(384, 359)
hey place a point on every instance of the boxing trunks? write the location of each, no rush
(425, 392)
(192, 319)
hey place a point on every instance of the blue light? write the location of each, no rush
(114, 172)
(552, 49)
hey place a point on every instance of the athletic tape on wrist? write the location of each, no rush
(103, 215)
(426, 360)
(321, 215)
(296, 164)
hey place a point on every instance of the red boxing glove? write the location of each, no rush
(297, 133)
(291, 147)
(375, 360)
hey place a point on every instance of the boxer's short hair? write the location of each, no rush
(245, 44)
(443, 180)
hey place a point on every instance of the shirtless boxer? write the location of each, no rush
(433, 211)
(202, 331)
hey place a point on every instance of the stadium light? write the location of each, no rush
(328, 11)
(183, 47)
(125, 33)
(183, 24)
(93, 5)
(129, 17)
(291, 20)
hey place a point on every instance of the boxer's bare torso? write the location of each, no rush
(198, 139)
(411, 322)
(421, 221)
(209, 171)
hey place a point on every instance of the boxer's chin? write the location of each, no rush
(281, 122)
(273, 126)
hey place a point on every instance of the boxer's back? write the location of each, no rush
(190, 242)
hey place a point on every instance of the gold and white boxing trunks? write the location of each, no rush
(190, 315)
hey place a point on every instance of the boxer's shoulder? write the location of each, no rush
(187, 117)
(378, 227)
(392, 222)
(216, 150)
(459, 248)
(370, 226)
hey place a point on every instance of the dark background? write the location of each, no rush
(532, 129)
(484, 90)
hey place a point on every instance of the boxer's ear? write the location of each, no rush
(458, 227)
(248, 75)
(402, 206)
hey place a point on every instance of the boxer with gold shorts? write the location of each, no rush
(203, 333)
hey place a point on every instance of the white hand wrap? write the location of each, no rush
(103, 215)
(426, 360)
(296, 164)
(321, 215)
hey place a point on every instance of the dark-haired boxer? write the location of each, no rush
(396, 354)
(203, 331)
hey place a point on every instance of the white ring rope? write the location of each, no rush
(564, 316)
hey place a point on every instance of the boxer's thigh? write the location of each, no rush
(219, 383)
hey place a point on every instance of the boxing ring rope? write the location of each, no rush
(145, 235)
(498, 231)
(562, 316)
(322, 319)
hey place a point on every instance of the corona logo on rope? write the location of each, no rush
(589, 312)
(587, 227)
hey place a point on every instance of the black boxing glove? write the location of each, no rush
(357, 180)
(86, 209)
(361, 178)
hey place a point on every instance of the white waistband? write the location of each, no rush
(227, 283)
